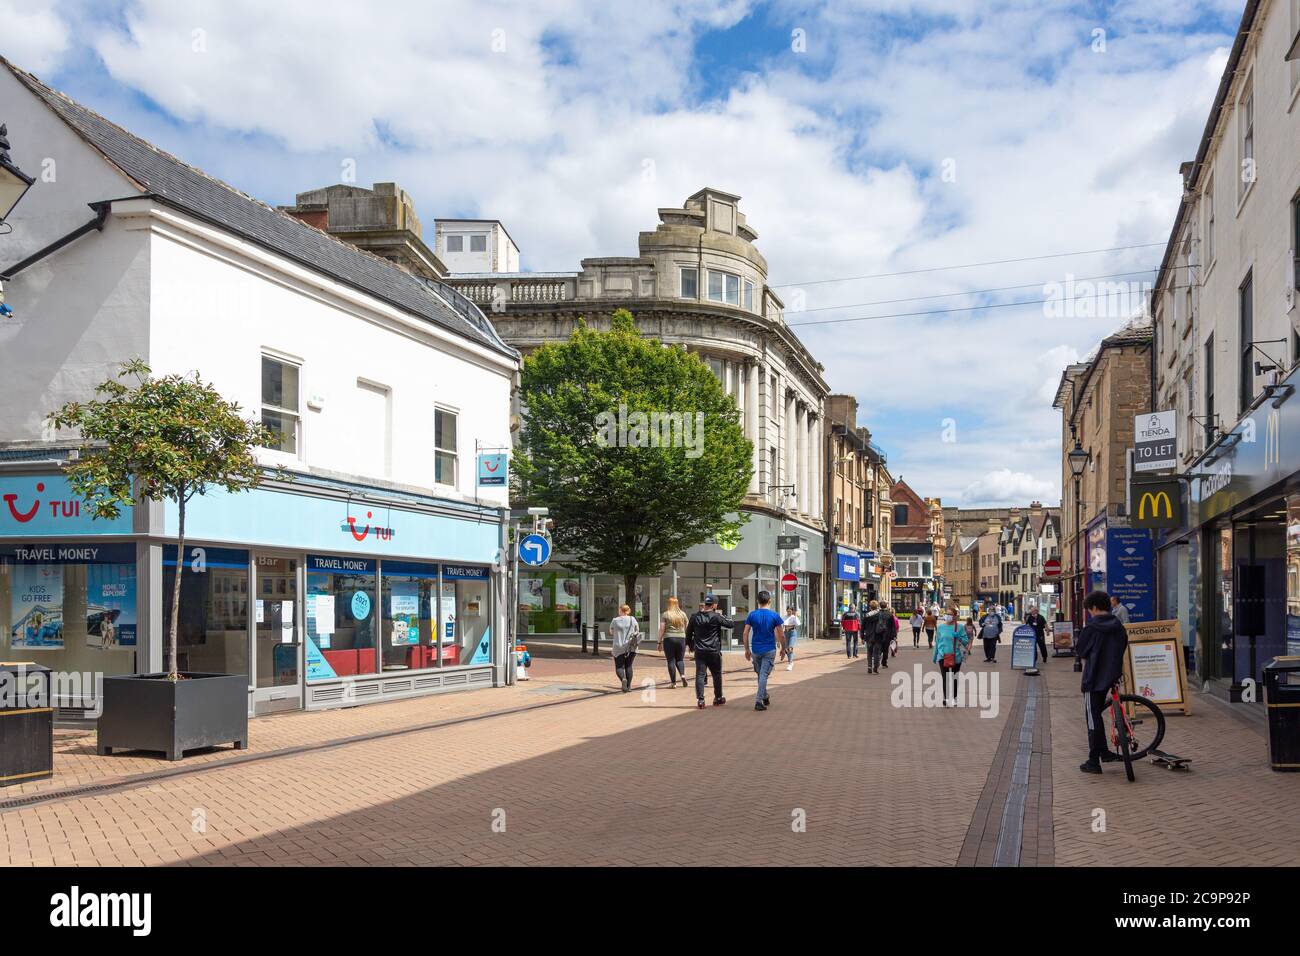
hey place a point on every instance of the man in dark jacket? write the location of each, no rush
(1101, 647)
(704, 637)
(1039, 624)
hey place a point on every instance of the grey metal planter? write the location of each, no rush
(149, 712)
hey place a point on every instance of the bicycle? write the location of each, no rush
(1136, 729)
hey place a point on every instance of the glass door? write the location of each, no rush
(277, 642)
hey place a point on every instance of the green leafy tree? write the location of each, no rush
(622, 502)
(159, 439)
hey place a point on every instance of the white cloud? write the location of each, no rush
(573, 121)
(35, 39)
(1004, 486)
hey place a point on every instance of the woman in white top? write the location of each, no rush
(791, 625)
(624, 636)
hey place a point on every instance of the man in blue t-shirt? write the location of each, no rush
(763, 632)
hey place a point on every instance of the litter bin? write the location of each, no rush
(1282, 695)
(26, 723)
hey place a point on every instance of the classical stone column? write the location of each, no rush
(751, 421)
(801, 458)
(815, 504)
(788, 442)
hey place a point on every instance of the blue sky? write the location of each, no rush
(864, 136)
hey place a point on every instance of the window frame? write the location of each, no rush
(476, 237)
(1246, 335)
(1246, 138)
(726, 287)
(694, 272)
(459, 238)
(454, 452)
(284, 411)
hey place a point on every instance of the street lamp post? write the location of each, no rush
(1078, 459)
(14, 183)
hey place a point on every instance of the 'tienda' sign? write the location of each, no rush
(1155, 441)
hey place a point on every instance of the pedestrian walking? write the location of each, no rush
(672, 638)
(764, 630)
(624, 636)
(874, 627)
(891, 646)
(991, 633)
(1119, 610)
(949, 652)
(918, 619)
(971, 631)
(931, 621)
(704, 638)
(1101, 647)
(791, 625)
(1039, 623)
(851, 624)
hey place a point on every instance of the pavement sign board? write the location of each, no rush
(1024, 648)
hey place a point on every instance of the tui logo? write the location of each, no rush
(24, 516)
(383, 534)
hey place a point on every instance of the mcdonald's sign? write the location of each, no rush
(1272, 439)
(1157, 504)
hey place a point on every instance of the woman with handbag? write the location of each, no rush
(949, 652)
(624, 636)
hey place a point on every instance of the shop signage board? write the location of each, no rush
(492, 469)
(788, 542)
(1024, 648)
(1266, 452)
(1130, 570)
(1155, 445)
(846, 566)
(1154, 666)
(41, 506)
(1062, 638)
(1156, 504)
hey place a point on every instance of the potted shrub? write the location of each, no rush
(164, 439)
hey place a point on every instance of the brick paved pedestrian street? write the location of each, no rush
(565, 770)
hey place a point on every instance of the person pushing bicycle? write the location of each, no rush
(1101, 647)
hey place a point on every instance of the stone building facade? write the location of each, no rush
(1099, 399)
(857, 482)
(699, 281)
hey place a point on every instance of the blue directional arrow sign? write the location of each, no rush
(535, 550)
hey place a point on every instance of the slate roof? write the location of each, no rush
(176, 183)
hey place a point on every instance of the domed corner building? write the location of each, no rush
(699, 282)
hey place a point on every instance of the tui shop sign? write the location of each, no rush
(1262, 451)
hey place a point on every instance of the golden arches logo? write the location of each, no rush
(1155, 500)
(1273, 439)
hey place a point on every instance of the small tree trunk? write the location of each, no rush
(173, 672)
(629, 588)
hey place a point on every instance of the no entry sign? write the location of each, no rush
(1051, 568)
(789, 582)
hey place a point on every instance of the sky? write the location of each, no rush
(867, 138)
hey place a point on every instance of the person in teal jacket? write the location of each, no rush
(951, 639)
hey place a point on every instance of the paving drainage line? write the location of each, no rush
(1011, 828)
(142, 780)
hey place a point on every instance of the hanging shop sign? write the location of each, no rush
(492, 469)
(1155, 445)
(1157, 504)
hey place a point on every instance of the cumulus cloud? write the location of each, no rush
(903, 135)
(1004, 486)
(34, 38)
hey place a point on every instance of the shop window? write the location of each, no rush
(280, 408)
(278, 620)
(549, 602)
(71, 608)
(212, 627)
(465, 615)
(444, 445)
(340, 617)
(408, 603)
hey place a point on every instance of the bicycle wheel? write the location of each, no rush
(1120, 736)
(1145, 723)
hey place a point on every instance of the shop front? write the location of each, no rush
(321, 593)
(908, 594)
(556, 600)
(1243, 536)
(848, 580)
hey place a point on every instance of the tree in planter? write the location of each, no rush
(633, 446)
(160, 439)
